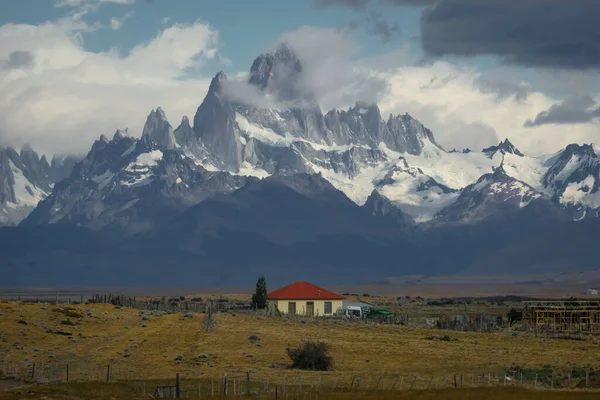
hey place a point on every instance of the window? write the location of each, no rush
(327, 307)
(292, 307)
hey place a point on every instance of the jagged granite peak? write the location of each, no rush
(573, 178)
(215, 126)
(504, 147)
(129, 185)
(493, 193)
(120, 134)
(382, 207)
(217, 83)
(25, 179)
(269, 69)
(159, 130)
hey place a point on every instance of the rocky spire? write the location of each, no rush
(158, 130)
(504, 147)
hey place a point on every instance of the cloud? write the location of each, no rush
(535, 33)
(574, 110)
(330, 69)
(72, 95)
(19, 59)
(450, 100)
(116, 23)
(465, 108)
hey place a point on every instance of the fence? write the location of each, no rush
(292, 384)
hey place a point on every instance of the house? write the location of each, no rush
(304, 298)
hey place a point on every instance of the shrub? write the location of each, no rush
(311, 355)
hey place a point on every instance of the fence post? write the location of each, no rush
(455, 383)
(461, 381)
(248, 383)
(108, 373)
(177, 387)
(67, 373)
(412, 383)
(587, 375)
(225, 385)
(535, 381)
(276, 394)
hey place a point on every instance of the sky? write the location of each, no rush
(473, 71)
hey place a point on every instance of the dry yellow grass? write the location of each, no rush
(152, 350)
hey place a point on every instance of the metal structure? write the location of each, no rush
(567, 316)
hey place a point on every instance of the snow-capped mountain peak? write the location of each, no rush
(493, 192)
(504, 147)
(573, 178)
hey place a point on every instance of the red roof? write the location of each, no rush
(302, 291)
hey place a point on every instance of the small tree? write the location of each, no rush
(514, 316)
(311, 355)
(259, 298)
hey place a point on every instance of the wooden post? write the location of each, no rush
(337, 382)
(587, 376)
(378, 382)
(535, 381)
(461, 381)
(412, 383)
(67, 372)
(248, 383)
(108, 373)
(276, 394)
(225, 385)
(177, 387)
(430, 381)
(455, 384)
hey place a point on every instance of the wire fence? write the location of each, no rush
(291, 384)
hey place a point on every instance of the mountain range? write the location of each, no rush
(277, 186)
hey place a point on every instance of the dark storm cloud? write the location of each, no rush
(537, 33)
(575, 110)
(19, 59)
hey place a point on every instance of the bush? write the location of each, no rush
(311, 355)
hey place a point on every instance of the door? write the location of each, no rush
(310, 308)
(292, 307)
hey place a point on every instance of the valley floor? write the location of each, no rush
(90, 337)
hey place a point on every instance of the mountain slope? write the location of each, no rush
(131, 185)
(26, 179)
(491, 194)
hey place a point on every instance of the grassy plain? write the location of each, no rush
(163, 345)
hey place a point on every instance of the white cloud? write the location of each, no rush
(448, 98)
(69, 96)
(116, 23)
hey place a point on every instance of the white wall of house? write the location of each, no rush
(320, 307)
